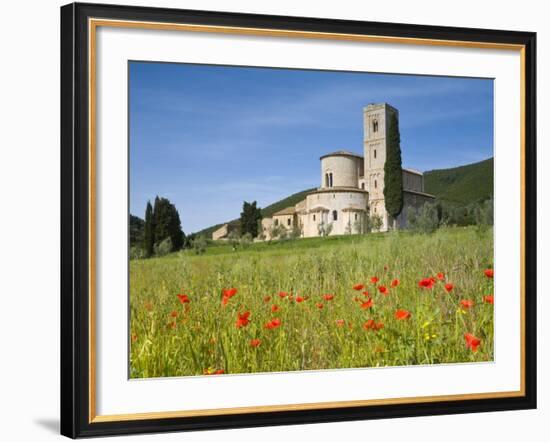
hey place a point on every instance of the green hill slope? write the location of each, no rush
(266, 211)
(462, 185)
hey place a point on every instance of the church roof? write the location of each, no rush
(342, 153)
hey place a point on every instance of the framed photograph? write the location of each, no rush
(273, 220)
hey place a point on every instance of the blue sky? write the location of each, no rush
(209, 137)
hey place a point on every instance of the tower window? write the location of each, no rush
(288, 222)
(326, 180)
(334, 215)
(374, 153)
(330, 179)
(375, 126)
(356, 217)
(363, 186)
(313, 217)
(375, 184)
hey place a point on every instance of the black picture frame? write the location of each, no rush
(75, 220)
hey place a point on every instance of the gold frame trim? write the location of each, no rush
(93, 24)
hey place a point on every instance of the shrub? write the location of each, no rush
(137, 252)
(200, 245)
(164, 247)
(245, 240)
(424, 219)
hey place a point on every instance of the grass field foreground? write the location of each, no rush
(309, 304)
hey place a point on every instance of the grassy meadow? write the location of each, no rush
(319, 303)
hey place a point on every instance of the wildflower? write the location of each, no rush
(328, 297)
(172, 325)
(449, 287)
(283, 294)
(383, 289)
(372, 325)
(489, 273)
(148, 306)
(255, 342)
(184, 299)
(340, 322)
(300, 299)
(426, 283)
(275, 308)
(267, 299)
(472, 342)
(211, 371)
(242, 319)
(402, 314)
(374, 279)
(358, 287)
(441, 276)
(395, 283)
(134, 337)
(366, 294)
(174, 314)
(229, 293)
(489, 299)
(274, 323)
(319, 305)
(466, 303)
(367, 304)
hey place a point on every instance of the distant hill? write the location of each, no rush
(462, 185)
(266, 211)
(136, 230)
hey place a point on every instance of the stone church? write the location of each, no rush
(352, 188)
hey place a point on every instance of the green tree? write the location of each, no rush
(250, 216)
(149, 231)
(167, 223)
(393, 172)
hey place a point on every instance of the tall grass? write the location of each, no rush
(171, 338)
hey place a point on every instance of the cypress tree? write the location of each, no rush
(393, 172)
(167, 223)
(250, 217)
(148, 231)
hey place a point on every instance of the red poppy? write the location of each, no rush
(225, 300)
(383, 289)
(172, 324)
(367, 304)
(395, 283)
(372, 325)
(283, 294)
(211, 371)
(319, 305)
(489, 299)
(134, 337)
(148, 306)
(374, 279)
(184, 298)
(472, 342)
(489, 273)
(358, 287)
(275, 308)
(441, 276)
(267, 299)
(174, 314)
(274, 323)
(366, 294)
(340, 322)
(242, 319)
(229, 292)
(255, 342)
(449, 287)
(328, 297)
(426, 283)
(300, 299)
(402, 314)
(466, 303)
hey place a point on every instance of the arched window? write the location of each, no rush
(375, 126)
(330, 179)
(314, 217)
(288, 222)
(375, 184)
(356, 217)
(374, 153)
(326, 180)
(363, 186)
(334, 215)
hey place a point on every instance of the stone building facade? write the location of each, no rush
(352, 187)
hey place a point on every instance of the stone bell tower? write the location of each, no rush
(376, 120)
